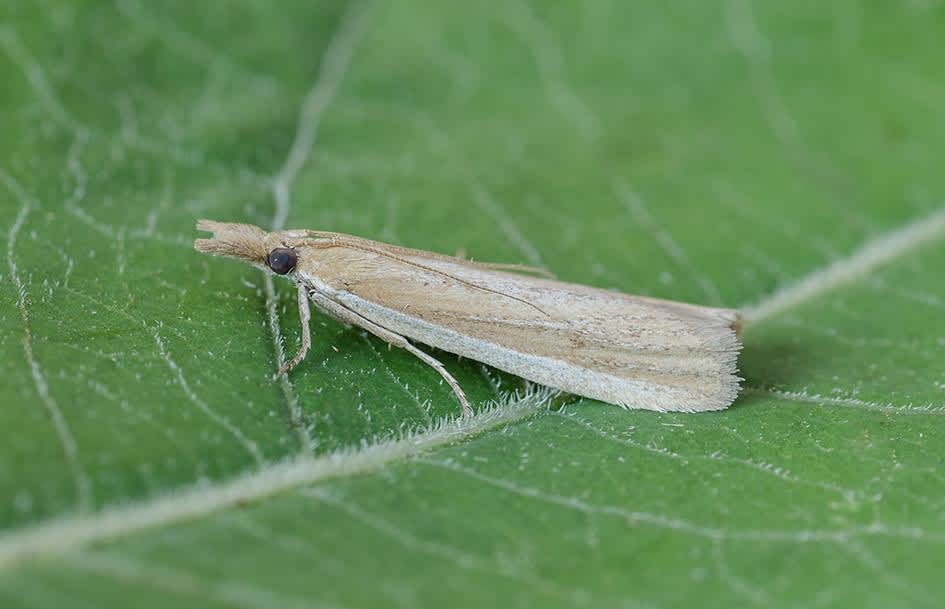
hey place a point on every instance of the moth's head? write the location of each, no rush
(269, 251)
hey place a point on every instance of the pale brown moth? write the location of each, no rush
(632, 351)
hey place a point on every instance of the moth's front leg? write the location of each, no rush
(338, 310)
(305, 315)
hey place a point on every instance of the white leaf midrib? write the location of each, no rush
(872, 254)
(63, 534)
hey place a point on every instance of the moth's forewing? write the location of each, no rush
(632, 351)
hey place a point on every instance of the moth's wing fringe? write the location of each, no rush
(720, 334)
(727, 337)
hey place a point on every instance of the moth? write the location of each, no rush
(632, 351)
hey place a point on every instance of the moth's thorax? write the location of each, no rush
(310, 260)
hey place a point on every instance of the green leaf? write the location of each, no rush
(783, 158)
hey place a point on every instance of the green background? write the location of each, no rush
(711, 152)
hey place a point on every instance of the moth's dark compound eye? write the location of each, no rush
(282, 260)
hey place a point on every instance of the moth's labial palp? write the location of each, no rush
(282, 260)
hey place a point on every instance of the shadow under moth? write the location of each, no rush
(633, 351)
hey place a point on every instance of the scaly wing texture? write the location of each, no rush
(627, 350)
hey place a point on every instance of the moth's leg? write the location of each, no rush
(436, 365)
(305, 315)
(392, 338)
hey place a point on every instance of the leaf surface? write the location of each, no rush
(784, 159)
